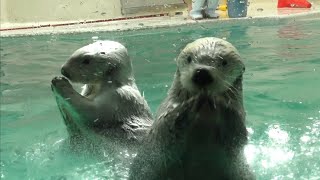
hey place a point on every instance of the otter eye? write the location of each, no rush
(86, 61)
(224, 63)
(189, 59)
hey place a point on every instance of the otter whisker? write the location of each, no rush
(233, 94)
(231, 89)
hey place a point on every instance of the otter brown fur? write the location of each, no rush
(200, 131)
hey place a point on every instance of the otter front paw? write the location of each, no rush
(61, 82)
(61, 85)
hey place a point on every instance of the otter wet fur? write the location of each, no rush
(110, 108)
(200, 131)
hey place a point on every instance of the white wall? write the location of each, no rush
(35, 11)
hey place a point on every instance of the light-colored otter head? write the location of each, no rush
(99, 62)
(209, 64)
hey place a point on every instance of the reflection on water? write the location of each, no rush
(281, 152)
(273, 152)
(281, 93)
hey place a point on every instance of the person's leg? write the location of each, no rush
(211, 8)
(196, 12)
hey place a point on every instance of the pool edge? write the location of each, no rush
(149, 23)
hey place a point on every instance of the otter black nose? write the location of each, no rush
(202, 77)
(65, 73)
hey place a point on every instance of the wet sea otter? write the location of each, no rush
(110, 109)
(200, 131)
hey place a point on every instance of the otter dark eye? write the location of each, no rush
(189, 59)
(224, 63)
(86, 61)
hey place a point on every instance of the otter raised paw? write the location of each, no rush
(200, 130)
(110, 109)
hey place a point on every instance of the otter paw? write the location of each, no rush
(61, 82)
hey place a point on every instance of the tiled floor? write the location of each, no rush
(257, 9)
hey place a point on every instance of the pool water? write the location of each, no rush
(281, 94)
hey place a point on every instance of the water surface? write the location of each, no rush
(281, 93)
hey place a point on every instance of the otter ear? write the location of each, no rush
(243, 69)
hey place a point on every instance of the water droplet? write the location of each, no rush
(250, 130)
(174, 105)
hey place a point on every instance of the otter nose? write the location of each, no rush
(202, 77)
(65, 73)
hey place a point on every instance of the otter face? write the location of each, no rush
(209, 64)
(97, 62)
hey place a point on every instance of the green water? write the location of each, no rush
(281, 87)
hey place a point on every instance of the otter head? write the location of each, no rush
(101, 61)
(209, 65)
